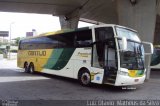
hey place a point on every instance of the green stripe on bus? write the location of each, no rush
(140, 72)
(53, 58)
(64, 58)
(59, 58)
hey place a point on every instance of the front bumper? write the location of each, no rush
(122, 80)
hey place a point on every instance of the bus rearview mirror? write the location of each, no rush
(124, 43)
(151, 47)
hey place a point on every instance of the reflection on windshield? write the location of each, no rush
(122, 32)
(133, 58)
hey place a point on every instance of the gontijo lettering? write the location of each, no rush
(37, 53)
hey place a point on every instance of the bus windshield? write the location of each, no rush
(133, 57)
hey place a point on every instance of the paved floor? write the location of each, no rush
(14, 84)
(17, 85)
(8, 63)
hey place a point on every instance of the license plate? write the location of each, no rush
(136, 80)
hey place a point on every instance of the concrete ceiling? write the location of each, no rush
(98, 10)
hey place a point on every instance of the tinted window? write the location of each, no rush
(83, 38)
(38, 43)
(104, 33)
(66, 40)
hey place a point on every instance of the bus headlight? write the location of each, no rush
(123, 73)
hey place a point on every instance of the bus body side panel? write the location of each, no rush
(54, 61)
(37, 57)
(57, 63)
(79, 58)
(97, 75)
(20, 62)
(23, 57)
(82, 57)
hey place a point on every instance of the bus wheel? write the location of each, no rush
(31, 68)
(85, 78)
(26, 67)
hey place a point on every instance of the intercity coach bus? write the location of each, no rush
(103, 54)
(155, 60)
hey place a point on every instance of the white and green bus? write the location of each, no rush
(103, 54)
(155, 60)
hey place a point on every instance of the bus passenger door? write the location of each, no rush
(97, 70)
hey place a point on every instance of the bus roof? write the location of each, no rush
(78, 29)
(111, 25)
(81, 29)
(64, 31)
(58, 32)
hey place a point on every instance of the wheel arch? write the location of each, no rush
(82, 69)
(31, 63)
(25, 64)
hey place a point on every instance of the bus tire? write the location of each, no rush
(26, 69)
(84, 77)
(31, 68)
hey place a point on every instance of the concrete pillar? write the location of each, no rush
(141, 16)
(70, 21)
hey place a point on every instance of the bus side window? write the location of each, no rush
(83, 38)
(48, 42)
(65, 40)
